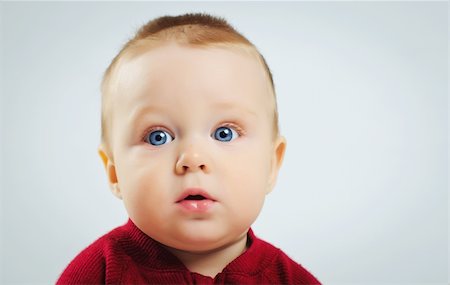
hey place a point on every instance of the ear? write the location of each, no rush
(279, 148)
(110, 172)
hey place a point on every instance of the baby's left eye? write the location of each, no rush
(225, 134)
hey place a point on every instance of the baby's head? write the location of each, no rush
(190, 137)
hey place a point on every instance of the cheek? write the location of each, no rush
(247, 180)
(144, 184)
(253, 164)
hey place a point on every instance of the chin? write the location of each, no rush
(202, 240)
(197, 248)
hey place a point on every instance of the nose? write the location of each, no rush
(192, 160)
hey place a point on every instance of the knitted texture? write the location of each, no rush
(126, 255)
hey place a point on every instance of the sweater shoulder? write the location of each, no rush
(90, 265)
(284, 270)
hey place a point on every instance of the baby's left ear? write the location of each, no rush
(279, 148)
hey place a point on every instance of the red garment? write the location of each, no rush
(128, 256)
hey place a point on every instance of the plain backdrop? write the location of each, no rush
(363, 97)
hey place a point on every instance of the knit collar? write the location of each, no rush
(153, 255)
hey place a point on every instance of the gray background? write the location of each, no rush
(362, 91)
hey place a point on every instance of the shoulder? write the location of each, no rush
(284, 270)
(89, 266)
(291, 271)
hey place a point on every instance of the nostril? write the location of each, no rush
(183, 167)
(202, 167)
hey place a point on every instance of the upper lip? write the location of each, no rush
(193, 192)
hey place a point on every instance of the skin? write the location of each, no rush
(189, 92)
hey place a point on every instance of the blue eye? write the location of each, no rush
(225, 134)
(159, 137)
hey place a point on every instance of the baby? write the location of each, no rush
(190, 143)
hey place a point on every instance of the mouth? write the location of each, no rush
(195, 194)
(195, 200)
(195, 197)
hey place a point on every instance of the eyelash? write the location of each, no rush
(152, 129)
(234, 126)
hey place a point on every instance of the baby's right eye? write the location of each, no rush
(158, 137)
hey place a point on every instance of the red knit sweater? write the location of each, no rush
(128, 256)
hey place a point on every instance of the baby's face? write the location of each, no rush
(193, 144)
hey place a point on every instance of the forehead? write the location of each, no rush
(174, 74)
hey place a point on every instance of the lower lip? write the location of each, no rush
(197, 206)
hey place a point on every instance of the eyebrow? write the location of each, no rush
(231, 106)
(139, 111)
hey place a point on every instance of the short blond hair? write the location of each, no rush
(199, 30)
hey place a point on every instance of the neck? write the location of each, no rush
(210, 263)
